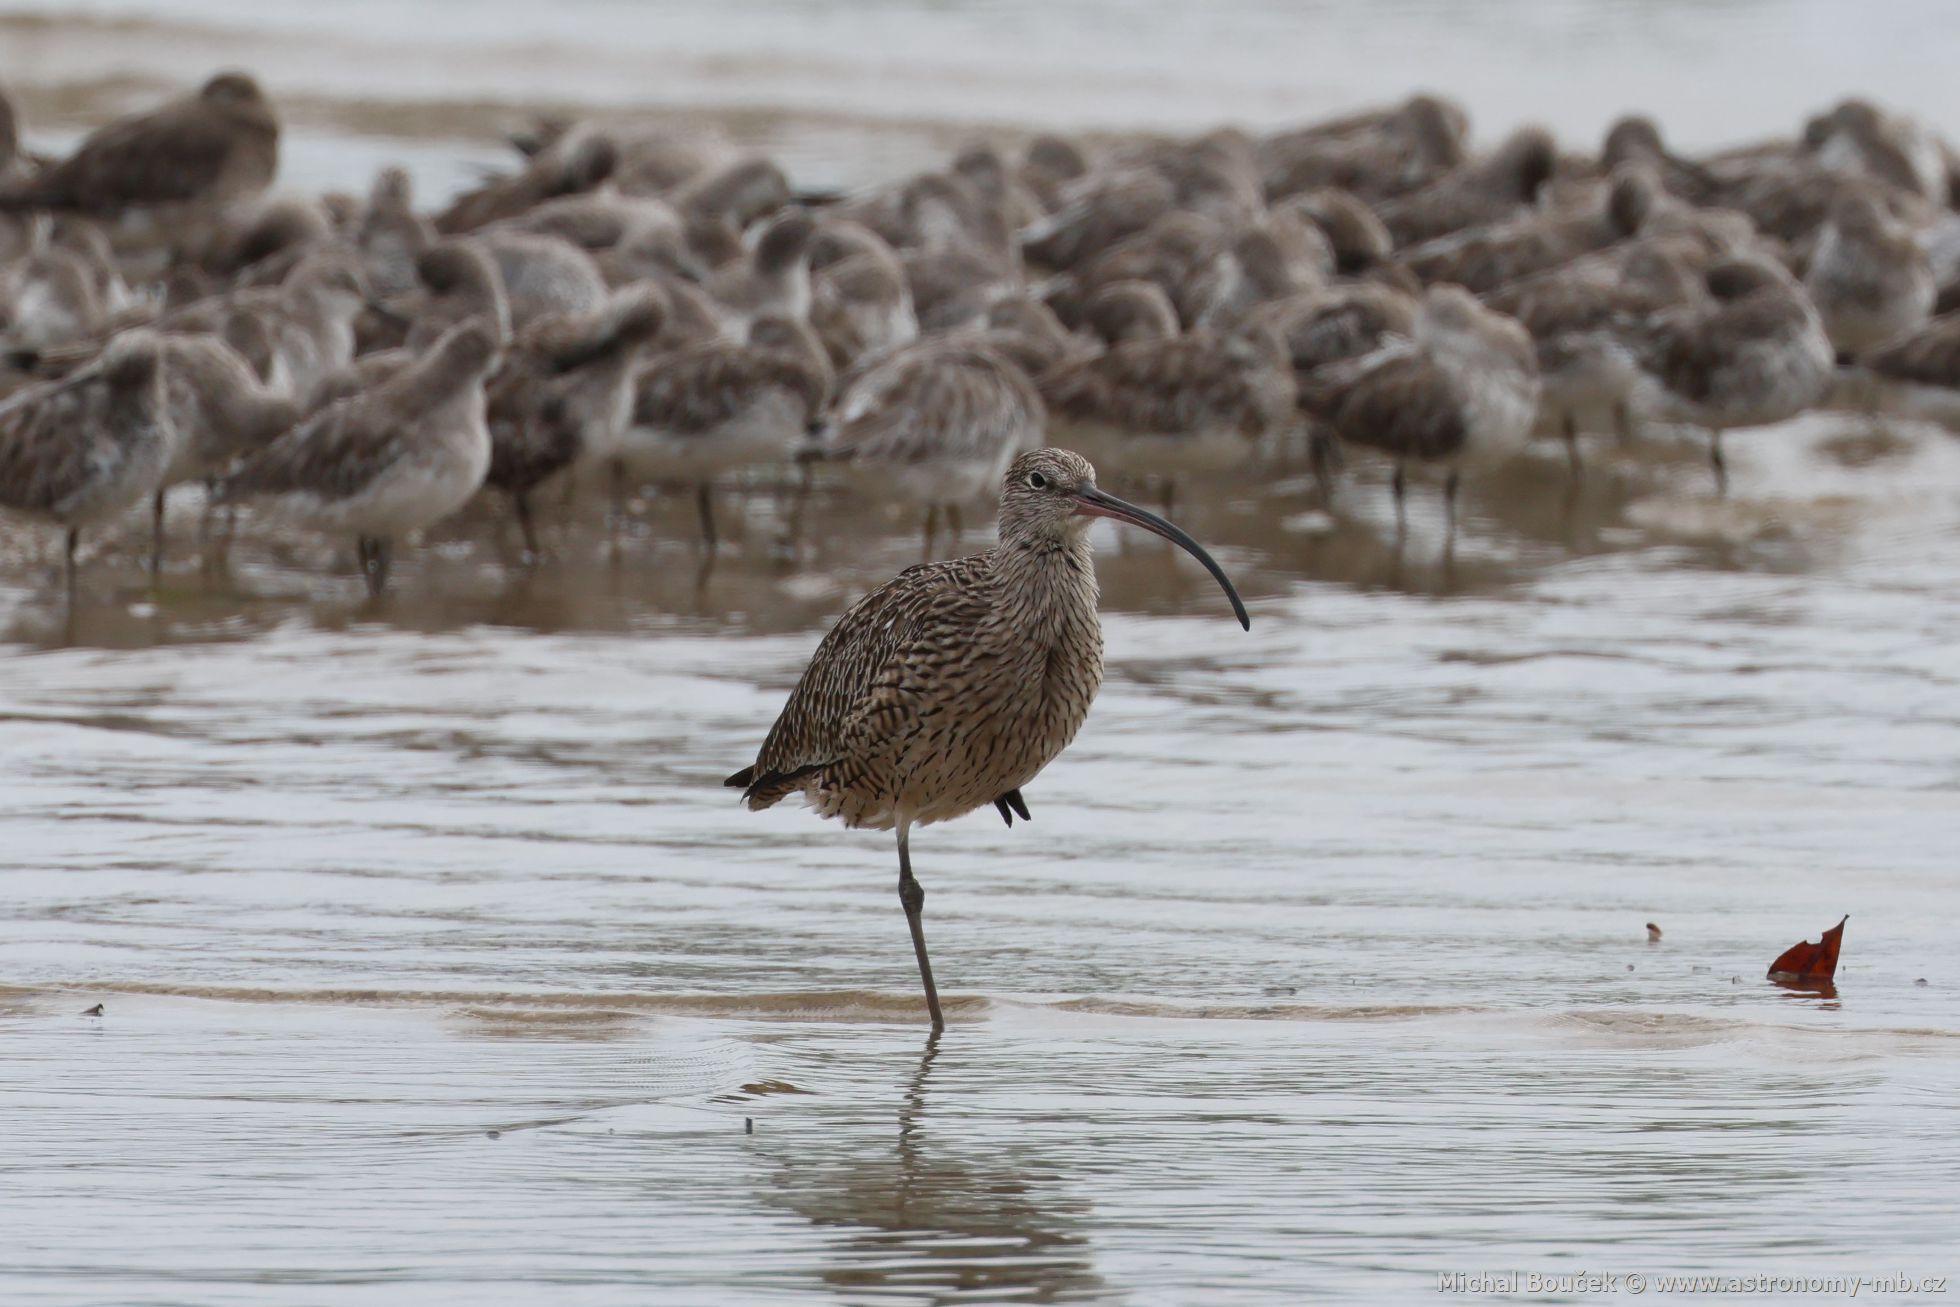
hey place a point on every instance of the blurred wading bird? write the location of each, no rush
(952, 685)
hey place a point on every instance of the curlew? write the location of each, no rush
(951, 686)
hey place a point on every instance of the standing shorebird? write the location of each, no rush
(387, 461)
(79, 451)
(952, 685)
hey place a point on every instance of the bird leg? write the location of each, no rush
(1572, 448)
(1401, 487)
(954, 527)
(932, 528)
(704, 505)
(615, 504)
(74, 543)
(156, 535)
(1010, 803)
(374, 552)
(912, 897)
(1321, 455)
(527, 526)
(1450, 483)
(1718, 462)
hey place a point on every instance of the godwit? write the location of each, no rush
(1461, 393)
(1498, 186)
(708, 409)
(210, 149)
(81, 450)
(220, 409)
(1868, 276)
(392, 236)
(1755, 354)
(576, 159)
(1162, 405)
(937, 422)
(774, 281)
(1918, 374)
(565, 393)
(1379, 153)
(952, 685)
(395, 459)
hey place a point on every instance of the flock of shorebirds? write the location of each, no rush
(642, 307)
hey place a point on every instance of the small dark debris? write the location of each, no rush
(96, 1011)
(1921, 981)
(748, 1125)
(494, 1134)
(1280, 991)
(1629, 966)
(1653, 933)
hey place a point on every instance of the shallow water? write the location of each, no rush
(436, 965)
(434, 958)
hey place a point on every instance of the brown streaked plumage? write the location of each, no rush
(1483, 258)
(1754, 353)
(565, 393)
(1461, 391)
(1918, 374)
(774, 280)
(1868, 275)
(1377, 153)
(80, 451)
(705, 410)
(951, 686)
(1585, 321)
(221, 410)
(388, 461)
(1096, 211)
(212, 148)
(1485, 190)
(935, 423)
(392, 235)
(1163, 405)
(577, 159)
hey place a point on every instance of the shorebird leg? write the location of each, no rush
(156, 535)
(1450, 484)
(912, 897)
(932, 528)
(1401, 487)
(704, 507)
(615, 504)
(955, 528)
(1011, 803)
(522, 501)
(1623, 422)
(1718, 462)
(74, 543)
(1572, 448)
(1321, 454)
(374, 552)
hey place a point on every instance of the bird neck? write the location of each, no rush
(1047, 583)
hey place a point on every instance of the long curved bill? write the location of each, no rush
(1092, 502)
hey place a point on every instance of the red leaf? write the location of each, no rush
(1807, 961)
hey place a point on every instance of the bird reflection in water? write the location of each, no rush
(934, 1223)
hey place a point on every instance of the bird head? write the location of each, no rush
(1051, 494)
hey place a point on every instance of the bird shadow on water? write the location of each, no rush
(923, 1215)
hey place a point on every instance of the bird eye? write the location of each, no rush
(1037, 481)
